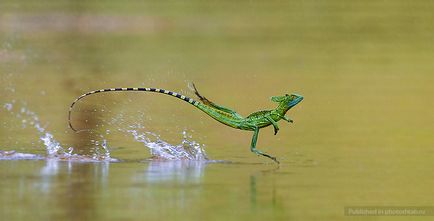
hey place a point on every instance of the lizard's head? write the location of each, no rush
(288, 100)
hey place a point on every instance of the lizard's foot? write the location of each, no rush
(271, 157)
(258, 152)
(275, 160)
(275, 131)
(288, 119)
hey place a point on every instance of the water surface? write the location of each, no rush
(363, 136)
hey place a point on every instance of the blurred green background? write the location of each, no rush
(362, 136)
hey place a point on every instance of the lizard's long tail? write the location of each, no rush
(156, 90)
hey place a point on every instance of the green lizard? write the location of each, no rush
(253, 122)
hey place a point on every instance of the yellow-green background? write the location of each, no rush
(363, 136)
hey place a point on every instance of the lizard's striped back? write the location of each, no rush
(140, 89)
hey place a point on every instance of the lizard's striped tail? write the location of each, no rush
(156, 90)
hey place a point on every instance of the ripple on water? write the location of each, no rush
(13, 155)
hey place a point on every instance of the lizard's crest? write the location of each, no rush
(278, 99)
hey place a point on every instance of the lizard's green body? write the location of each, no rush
(253, 122)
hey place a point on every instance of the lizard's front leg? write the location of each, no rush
(287, 119)
(276, 127)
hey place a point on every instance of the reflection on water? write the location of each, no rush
(53, 168)
(68, 185)
(168, 187)
(267, 176)
(160, 187)
(179, 171)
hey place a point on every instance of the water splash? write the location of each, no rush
(53, 148)
(97, 155)
(188, 149)
(160, 149)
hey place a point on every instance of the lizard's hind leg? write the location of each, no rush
(258, 152)
(212, 104)
(202, 98)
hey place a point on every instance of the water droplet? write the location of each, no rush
(8, 106)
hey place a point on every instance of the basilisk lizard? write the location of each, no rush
(253, 122)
